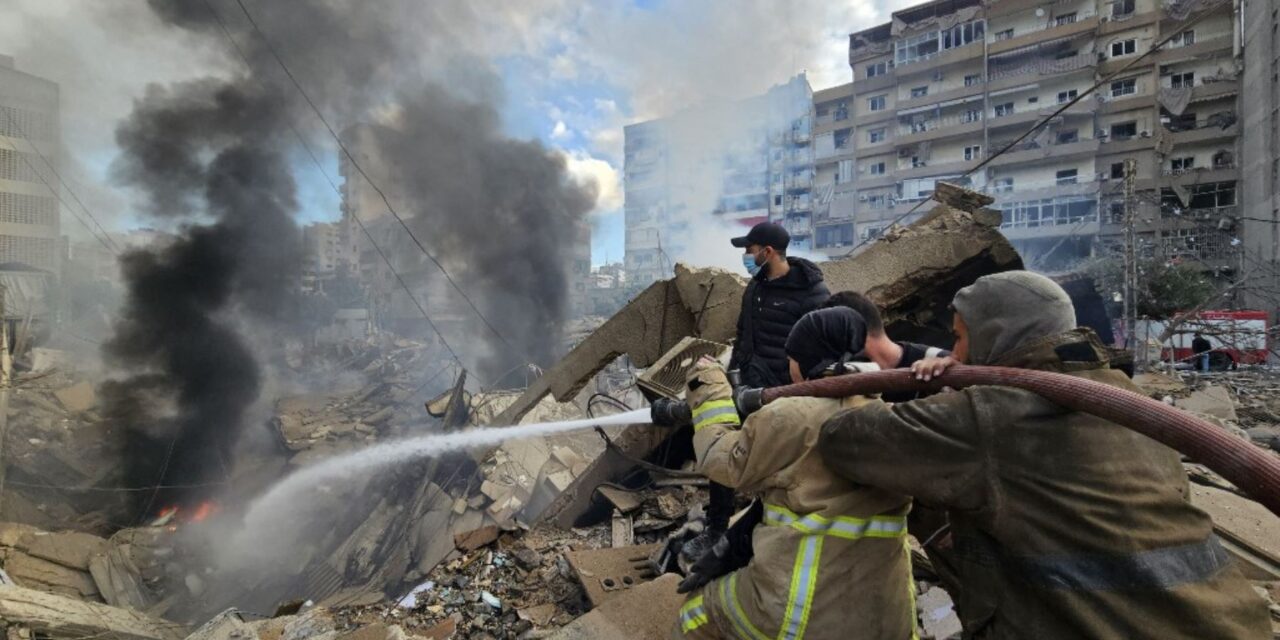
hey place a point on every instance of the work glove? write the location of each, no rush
(710, 565)
(731, 551)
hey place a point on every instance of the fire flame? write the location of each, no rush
(170, 516)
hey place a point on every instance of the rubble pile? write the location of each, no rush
(59, 457)
(1244, 401)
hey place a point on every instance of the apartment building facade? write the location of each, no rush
(725, 165)
(30, 143)
(946, 84)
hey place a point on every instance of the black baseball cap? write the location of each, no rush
(765, 234)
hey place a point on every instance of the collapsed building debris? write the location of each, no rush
(484, 544)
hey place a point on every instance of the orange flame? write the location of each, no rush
(206, 509)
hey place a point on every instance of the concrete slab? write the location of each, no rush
(604, 573)
(56, 617)
(1242, 522)
(1212, 400)
(77, 398)
(649, 610)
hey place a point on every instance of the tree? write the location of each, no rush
(1164, 288)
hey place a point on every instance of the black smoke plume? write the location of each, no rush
(214, 154)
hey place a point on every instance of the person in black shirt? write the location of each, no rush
(879, 348)
(1201, 347)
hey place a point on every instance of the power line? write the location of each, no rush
(107, 242)
(372, 184)
(1059, 111)
(360, 223)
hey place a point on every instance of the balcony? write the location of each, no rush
(1027, 230)
(933, 169)
(1204, 133)
(799, 183)
(1037, 67)
(934, 128)
(1027, 153)
(959, 93)
(1222, 172)
(1206, 43)
(939, 60)
(1215, 90)
(1086, 22)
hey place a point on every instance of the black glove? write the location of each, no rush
(732, 551)
(714, 563)
(666, 412)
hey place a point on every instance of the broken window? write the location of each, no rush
(1183, 80)
(875, 136)
(1182, 164)
(973, 153)
(919, 92)
(1122, 8)
(971, 115)
(972, 80)
(1067, 176)
(1005, 109)
(1117, 170)
(1185, 121)
(877, 69)
(1067, 137)
(1124, 130)
(1125, 87)
(876, 202)
(916, 48)
(1124, 47)
(1003, 185)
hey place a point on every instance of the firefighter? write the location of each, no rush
(1064, 525)
(830, 558)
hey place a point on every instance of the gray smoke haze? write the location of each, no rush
(212, 155)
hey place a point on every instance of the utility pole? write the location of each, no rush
(1131, 267)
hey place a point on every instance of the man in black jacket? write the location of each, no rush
(781, 291)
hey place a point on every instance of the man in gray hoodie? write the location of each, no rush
(1063, 525)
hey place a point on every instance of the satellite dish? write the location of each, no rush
(1040, 12)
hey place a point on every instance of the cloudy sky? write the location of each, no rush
(573, 74)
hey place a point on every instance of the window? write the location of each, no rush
(1066, 18)
(919, 92)
(1049, 211)
(972, 115)
(838, 235)
(1004, 185)
(1124, 130)
(876, 103)
(972, 80)
(869, 232)
(1203, 196)
(1185, 38)
(914, 49)
(876, 202)
(1004, 35)
(917, 162)
(777, 201)
(1005, 109)
(876, 169)
(1124, 48)
(877, 69)
(1124, 87)
(963, 34)
(1033, 99)
(1067, 137)
(1117, 170)
(1066, 176)
(844, 172)
(973, 153)
(842, 111)
(1063, 55)
(1067, 96)
(1183, 80)
(1182, 164)
(875, 136)
(1121, 8)
(840, 138)
(1115, 211)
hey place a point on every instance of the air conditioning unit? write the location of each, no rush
(1145, 134)
(862, 197)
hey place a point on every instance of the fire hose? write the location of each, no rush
(1254, 471)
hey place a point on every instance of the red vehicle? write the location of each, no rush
(1238, 337)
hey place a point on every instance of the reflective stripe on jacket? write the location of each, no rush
(830, 560)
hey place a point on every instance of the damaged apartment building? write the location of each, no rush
(947, 84)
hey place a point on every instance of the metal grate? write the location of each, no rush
(666, 376)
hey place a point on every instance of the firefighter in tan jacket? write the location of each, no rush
(831, 558)
(1063, 525)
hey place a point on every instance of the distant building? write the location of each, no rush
(946, 84)
(323, 254)
(735, 163)
(30, 143)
